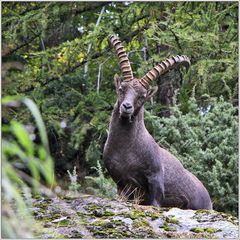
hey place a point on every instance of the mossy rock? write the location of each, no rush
(167, 228)
(92, 206)
(93, 217)
(137, 223)
(134, 214)
(102, 223)
(109, 233)
(108, 213)
(211, 230)
(197, 230)
(107, 229)
(172, 219)
(208, 230)
(154, 216)
(171, 229)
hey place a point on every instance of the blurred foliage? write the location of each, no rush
(24, 164)
(57, 54)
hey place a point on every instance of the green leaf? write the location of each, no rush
(104, 43)
(23, 137)
(135, 44)
(13, 149)
(9, 170)
(80, 57)
(36, 114)
(150, 32)
(47, 169)
(38, 119)
(33, 164)
(47, 165)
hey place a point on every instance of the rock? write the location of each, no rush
(94, 217)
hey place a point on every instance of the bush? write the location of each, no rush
(207, 145)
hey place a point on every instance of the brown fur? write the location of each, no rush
(136, 162)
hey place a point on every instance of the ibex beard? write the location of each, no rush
(131, 155)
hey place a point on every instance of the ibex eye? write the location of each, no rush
(141, 100)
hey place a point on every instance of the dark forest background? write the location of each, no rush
(57, 54)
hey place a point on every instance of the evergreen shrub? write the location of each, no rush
(207, 145)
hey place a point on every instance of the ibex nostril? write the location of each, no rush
(127, 105)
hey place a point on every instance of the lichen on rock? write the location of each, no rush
(93, 217)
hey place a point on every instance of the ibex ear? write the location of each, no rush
(152, 91)
(117, 81)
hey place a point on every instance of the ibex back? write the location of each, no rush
(135, 161)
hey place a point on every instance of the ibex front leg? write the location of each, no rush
(156, 189)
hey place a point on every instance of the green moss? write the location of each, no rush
(80, 214)
(140, 223)
(92, 207)
(76, 235)
(214, 215)
(172, 219)
(154, 216)
(135, 214)
(170, 229)
(101, 233)
(82, 220)
(210, 230)
(165, 224)
(166, 227)
(56, 235)
(230, 218)
(108, 229)
(108, 213)
(197, 230)
(200, 230)
(37, 196)
(56, 215)
(110, 233)
(102, 223)
(64, 223)
(203, 211)
(117, 222)
(42, 205)
(141, 228)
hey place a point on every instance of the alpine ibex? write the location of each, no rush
(133, 158)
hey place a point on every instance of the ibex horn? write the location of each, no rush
(124, 62)
(163, 67)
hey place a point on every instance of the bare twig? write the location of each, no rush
(99, 75)
(44, 49)
(24, 44)
(176, 38)
(145, 59)
(90, 44)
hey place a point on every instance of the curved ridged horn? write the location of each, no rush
(124, 62)
(163, 67)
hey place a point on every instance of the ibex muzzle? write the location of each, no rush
(134, 160)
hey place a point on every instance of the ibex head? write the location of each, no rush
(133, 92)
